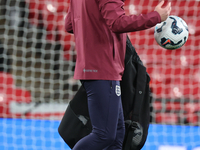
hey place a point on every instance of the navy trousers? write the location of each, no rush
(106, 114)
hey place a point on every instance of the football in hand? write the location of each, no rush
(172, 33)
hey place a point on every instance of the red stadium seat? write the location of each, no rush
(158, 56)
(6, 79)
(67, 38)
(188, 58)
(192, 107)
(35, 17)
(170, 112)
(176, 83)
(163, 79)
(190, 118)
(185, 8)
(167, 118)
(184, 87)
(7, 95)
(193, 23)
(16, 94)
(169, 106)
(7, 87)
(51, 17)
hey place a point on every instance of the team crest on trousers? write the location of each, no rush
(118, 90)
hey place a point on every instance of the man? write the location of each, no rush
(100, 28)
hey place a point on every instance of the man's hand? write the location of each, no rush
(164, 12)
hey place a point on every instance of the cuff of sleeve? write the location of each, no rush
(158, 15)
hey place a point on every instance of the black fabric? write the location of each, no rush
(71, 128)
(135, 100)
(135, 95)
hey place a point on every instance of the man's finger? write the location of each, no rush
(161, 3)
(169, 6)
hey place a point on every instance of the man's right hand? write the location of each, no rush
(164, 12)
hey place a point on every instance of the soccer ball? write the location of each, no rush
(171, 33)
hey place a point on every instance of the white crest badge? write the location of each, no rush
(118, 90)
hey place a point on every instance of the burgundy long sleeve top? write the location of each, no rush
(99, 28)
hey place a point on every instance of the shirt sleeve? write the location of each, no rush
(68, 22)
(114, 15)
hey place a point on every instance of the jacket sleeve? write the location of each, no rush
(68, 22)
(114, 15)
